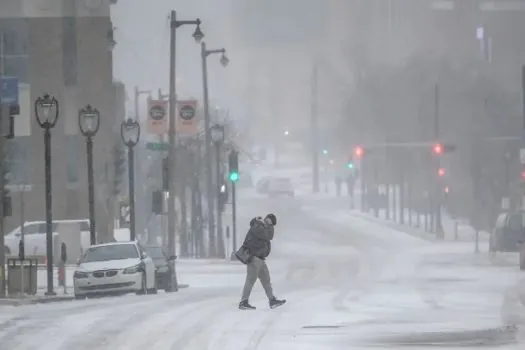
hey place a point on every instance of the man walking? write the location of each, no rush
(258, 243)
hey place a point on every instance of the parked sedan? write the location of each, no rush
(114, 268)
(164, 266)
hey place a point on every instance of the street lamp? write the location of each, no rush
(130, 133)
(197, 35)
(46, 112)
(217, 136)
(89, 122)
(207, 136)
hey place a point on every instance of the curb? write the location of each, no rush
(49, 300)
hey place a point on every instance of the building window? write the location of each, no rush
(17, 166)
(69, 51)
(14, 49)
(72, 159)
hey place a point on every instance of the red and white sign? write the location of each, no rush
(187, 117)
(157, 117)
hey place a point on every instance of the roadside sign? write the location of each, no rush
(157, 146)
(9, 90)
(157, 123)
(186, 117)
(522, 155)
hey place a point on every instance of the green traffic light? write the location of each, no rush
(234, 177)
(325, 151)
(350, 165)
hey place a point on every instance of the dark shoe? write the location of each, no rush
(244, 305)
(276, 302)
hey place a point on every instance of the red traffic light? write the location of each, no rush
(359, 151)
(523, 175)
(438, 148)
(441, 171)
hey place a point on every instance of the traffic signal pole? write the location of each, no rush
(314, 131)
(234, 217)
(439, 225)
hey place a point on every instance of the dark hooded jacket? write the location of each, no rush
(258, 239)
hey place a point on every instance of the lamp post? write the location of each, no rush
(89, 122)
(197, 35)
(217, 136)
(130, 133)
(46, 112)
(207, 137)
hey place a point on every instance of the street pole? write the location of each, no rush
(174, 24)
(439, 225)
(314, 132)
(218, 189)
(171, 140)
(49, 212)
(162, 154)
(131, 183)
(234, 217)
(207, 151)
(4, 112)
(91, 191)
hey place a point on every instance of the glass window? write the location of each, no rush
(69, 51)
(84, 226)
(14, 42)
(17, 166)
(72, 159)
(515, 222)
(111, 252)
(32, 229)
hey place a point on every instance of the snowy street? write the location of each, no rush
(349, 282)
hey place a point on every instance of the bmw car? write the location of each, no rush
(114, 268)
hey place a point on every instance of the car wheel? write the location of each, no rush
(7, 251)
(144, 286)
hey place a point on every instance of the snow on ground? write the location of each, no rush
(350, 282)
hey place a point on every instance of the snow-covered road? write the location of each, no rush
(349, 284)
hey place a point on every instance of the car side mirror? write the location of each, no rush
(144, 255)
(173, 257)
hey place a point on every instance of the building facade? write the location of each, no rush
(63, 48)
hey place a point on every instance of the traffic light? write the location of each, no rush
(522, 175)
(441, 172)
(325, 151)
(233, 162)
(157, 201)
(223, 197)
(165, 174)
(440, 148)
(350, 164)
(446, 189)
(119, 159)
(359, 151)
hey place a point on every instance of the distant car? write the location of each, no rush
(508, 233)
(114, 268)
(280, 186)
(163, 267)
(262, 185)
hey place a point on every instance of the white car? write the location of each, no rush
(35, 237)
(114, 268)
(280, 186)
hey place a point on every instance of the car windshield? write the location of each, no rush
(111, 252)
(155, 252)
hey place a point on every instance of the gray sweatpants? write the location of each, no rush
(257, 269)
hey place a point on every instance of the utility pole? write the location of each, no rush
(172, 223)
(314, 132)
(4, 113)
(439, 225)
(162, 140)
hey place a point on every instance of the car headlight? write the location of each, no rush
(80, 274)
(134, 269)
